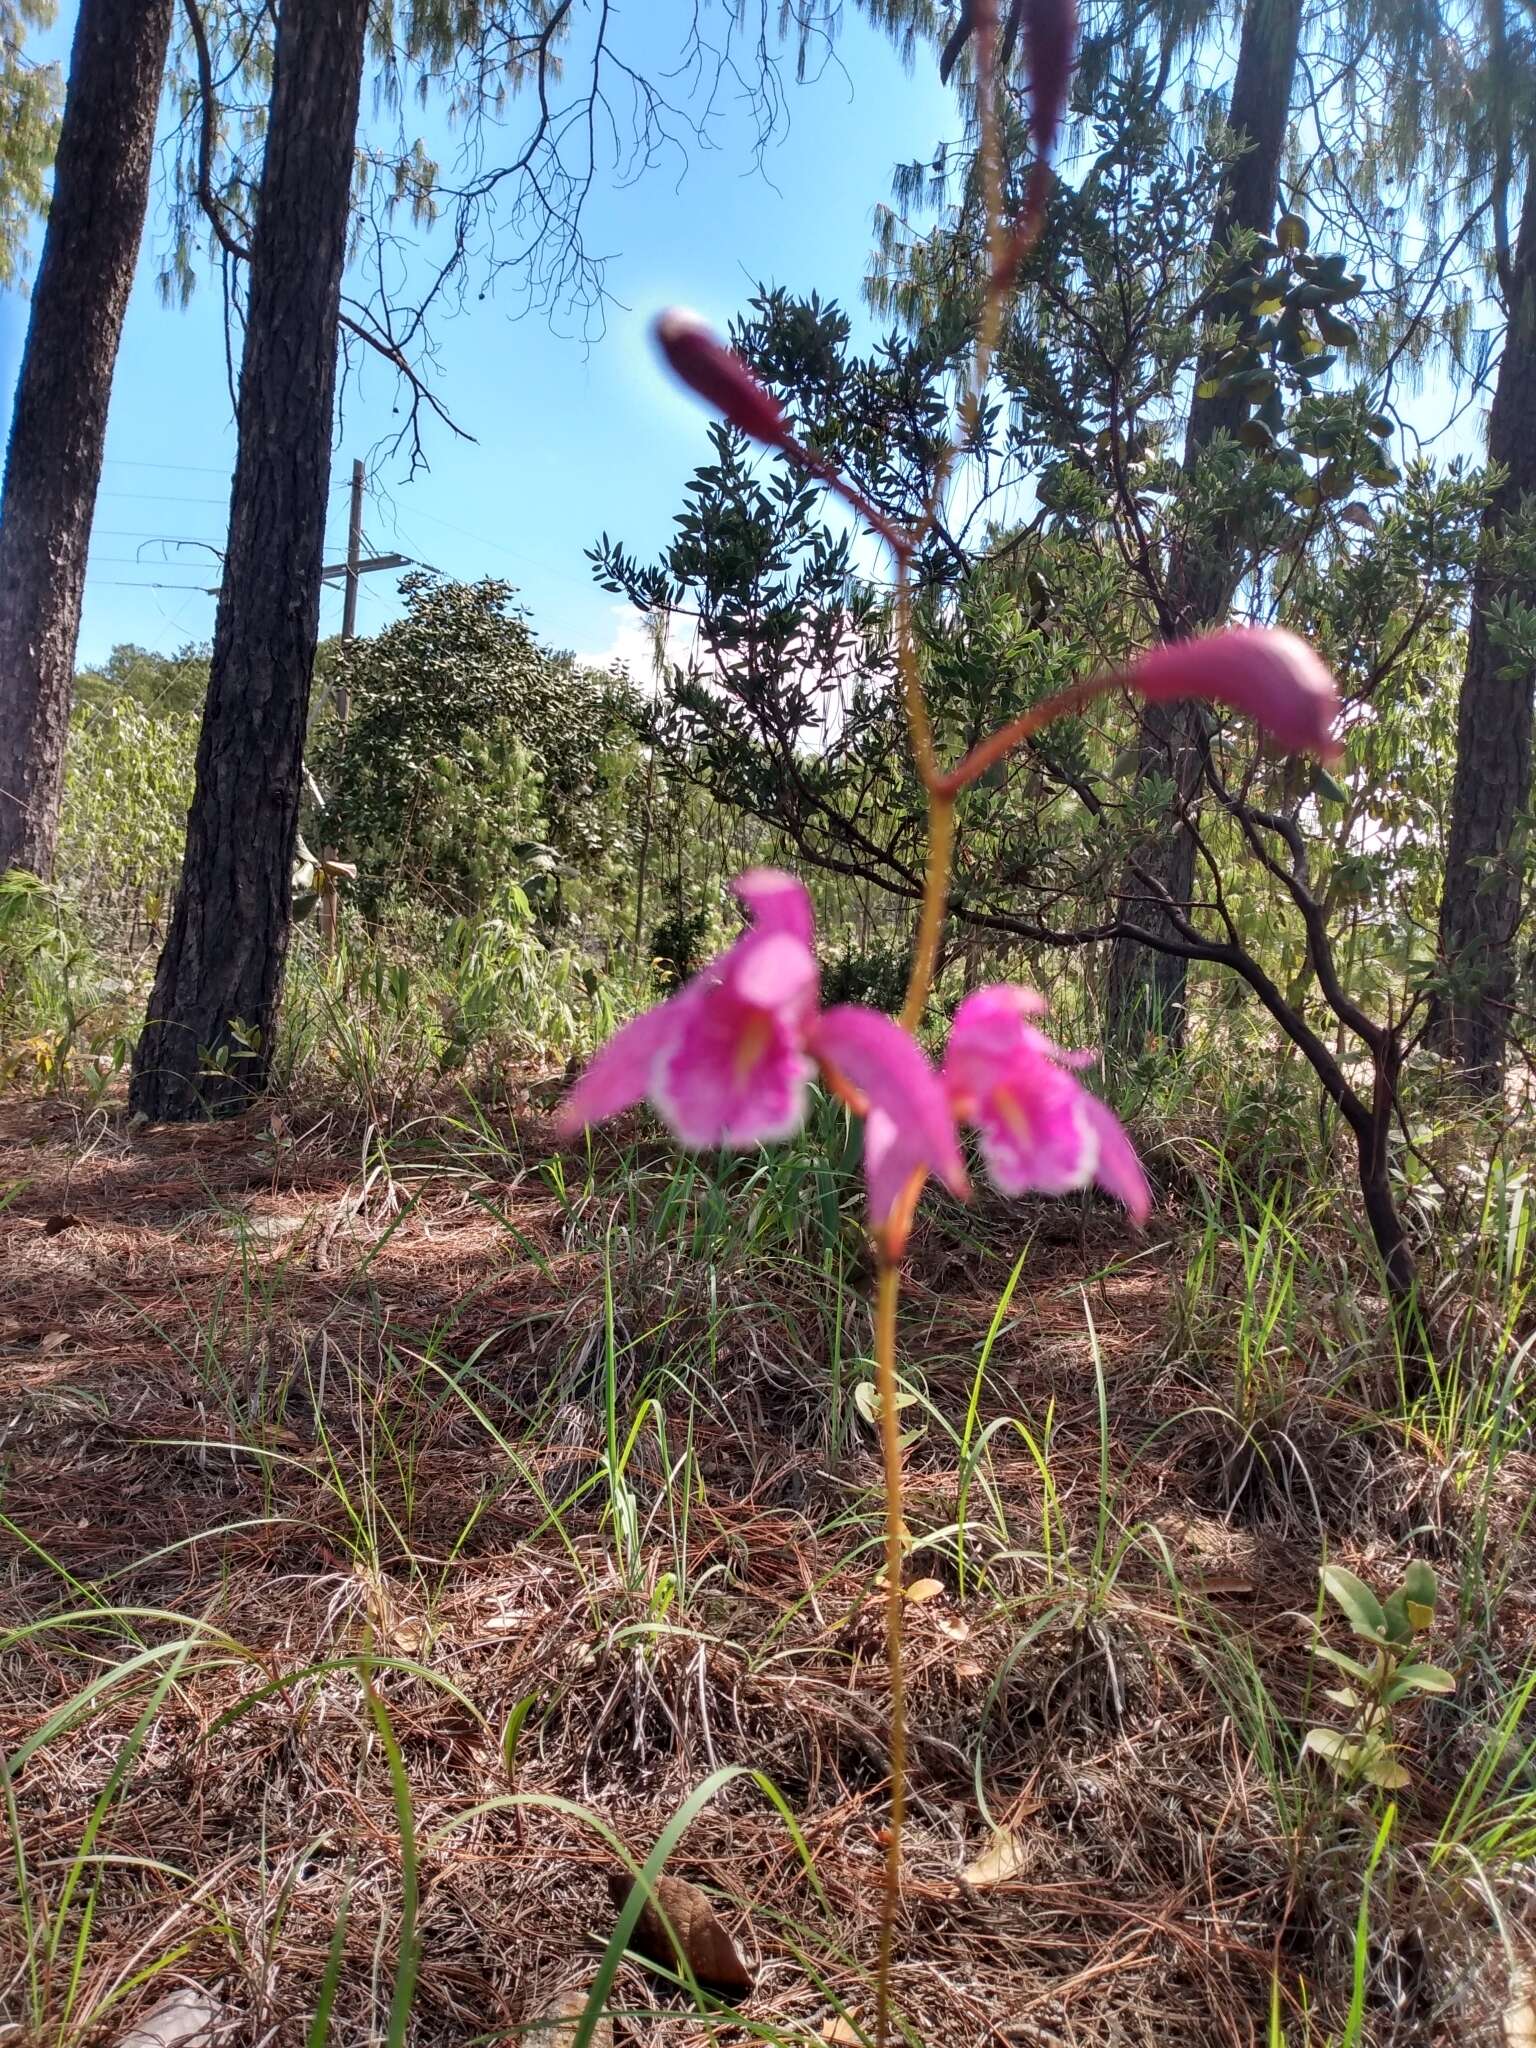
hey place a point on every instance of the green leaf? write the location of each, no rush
(1385, 1770)
(1336, 332)
(1420, 1591)
(1342, 1662)
(1339, 1752)
(1292, 233)
(1399, 1627)
(1412, 1678)
(1324, 786)
(1361, 1608)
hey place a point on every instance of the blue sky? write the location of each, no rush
(571, 439)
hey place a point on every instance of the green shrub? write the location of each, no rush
(472, 757)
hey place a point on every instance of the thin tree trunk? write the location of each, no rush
(207, 1043)
(1147, 991)
(1480, 902)
(59, 427)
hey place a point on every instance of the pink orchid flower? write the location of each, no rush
(1271, 675)
(909, 1131)
(727, 1061)
(1041, 1130)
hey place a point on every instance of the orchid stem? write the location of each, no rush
(1004, 251)
(888, 1290)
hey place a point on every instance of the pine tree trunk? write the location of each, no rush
(206, 1047)
(1480, 901)
(58, 430)
(1147, 994)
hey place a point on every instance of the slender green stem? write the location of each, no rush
(887, 1294)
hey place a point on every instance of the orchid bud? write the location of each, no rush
(1272, 676)
(719, 377)
(1050, 46)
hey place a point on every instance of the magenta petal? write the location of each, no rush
(1271, 675)
(887, 1065)
(1118, 1171)
(776, 902)
(619, 1075)
(889, 1163)
(1036, 1136)
(772, 970)
(734, 1074)
(989, 1026)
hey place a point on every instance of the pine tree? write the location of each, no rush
(53, 465)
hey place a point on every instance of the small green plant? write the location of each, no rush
(1377, 1684)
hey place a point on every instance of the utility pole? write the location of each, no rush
(354, 558)
(354, 568)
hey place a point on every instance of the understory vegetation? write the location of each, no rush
(410, 1518)
(462, 1556)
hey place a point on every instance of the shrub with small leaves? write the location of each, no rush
(1380, 1680)
(467, 740)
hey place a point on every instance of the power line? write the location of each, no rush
(131, 583)
(497, 547)
(191, 540)
(191, 468)
(162, 498)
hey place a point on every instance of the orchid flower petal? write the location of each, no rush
(776, 902)
(1118, 1171)
(619, 1075)
(1272, 676)
(735, 1073)
(890, 1069)
(772, 970)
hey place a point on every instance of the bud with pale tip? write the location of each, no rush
(719, 376)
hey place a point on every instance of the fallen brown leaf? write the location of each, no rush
(996, 1865)
(702, 1941)
(922, 1590)
(55, 1340)
(183, 2018)
(556, 2027)
(1520, 2013)
(843, 2032)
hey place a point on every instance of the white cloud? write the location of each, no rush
(632, 641)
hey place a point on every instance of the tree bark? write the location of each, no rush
(59, 427)
(1480, 903)
(1147, 993)
(207, 1043)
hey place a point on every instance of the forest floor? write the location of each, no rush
(381, 1526)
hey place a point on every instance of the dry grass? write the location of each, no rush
(305, 1461)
